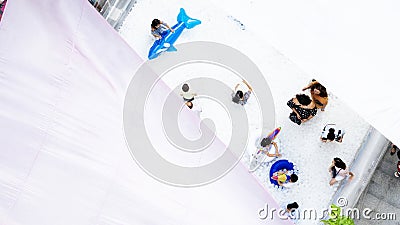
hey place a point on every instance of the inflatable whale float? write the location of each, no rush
(166, 43)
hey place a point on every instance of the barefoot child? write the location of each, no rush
(266, 145)
(282, 178)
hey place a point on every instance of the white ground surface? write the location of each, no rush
(300, 144)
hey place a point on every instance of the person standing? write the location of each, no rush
(187, 95)
(239, 97)
(339, 171)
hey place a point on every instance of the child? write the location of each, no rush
(187, 96)
(239, 97)
(159, 28)
(332, 133)
(266, 145)
(282, 178)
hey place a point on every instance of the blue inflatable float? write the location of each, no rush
(166, 43)
(280, 165)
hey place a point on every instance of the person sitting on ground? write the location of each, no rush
(292, 211)
(393, 149)
(339, 171)
(159, 28)
(266, 145)
(282, 178)
(303, 109)
(331, 133)
(318, 94)
(239, 97)
(187, 95)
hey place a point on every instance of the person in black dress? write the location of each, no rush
(303, 109)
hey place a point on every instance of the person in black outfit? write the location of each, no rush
(303, 109)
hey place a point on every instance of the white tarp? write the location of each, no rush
(63, 157)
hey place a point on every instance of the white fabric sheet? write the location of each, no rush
(63, 158)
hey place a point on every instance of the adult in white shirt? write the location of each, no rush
(187, 95)
(339, 171)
